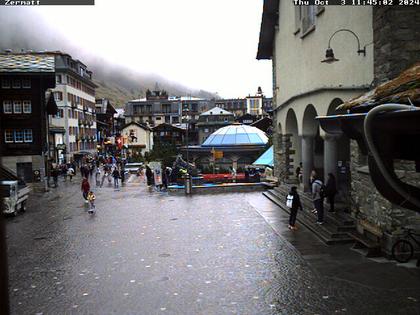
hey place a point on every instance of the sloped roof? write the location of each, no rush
(216, 111)
(267, 158)
(138, 125)
(26, 63)
(402, 89)
(268, 22)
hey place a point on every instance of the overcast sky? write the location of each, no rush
(206, 44)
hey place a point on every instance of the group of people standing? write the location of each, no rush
(160, 178)
(319, 192)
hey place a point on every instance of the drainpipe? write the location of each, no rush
(369, 140)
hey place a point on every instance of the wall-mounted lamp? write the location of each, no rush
(329, 54)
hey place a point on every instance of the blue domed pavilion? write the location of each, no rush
(240, 144)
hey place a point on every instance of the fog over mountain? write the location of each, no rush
(23, 29)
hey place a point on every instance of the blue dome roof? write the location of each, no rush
(236, 135)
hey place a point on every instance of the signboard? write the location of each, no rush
(217, 154)
(61, 146)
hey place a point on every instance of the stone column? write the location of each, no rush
(307, 159)
(330, 155)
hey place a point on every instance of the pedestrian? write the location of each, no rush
(64, 171)
(85, 188)
(74, 167)
(233, 174)
(91, 199)
(105, 175)
(157, 172)
(122, 175)
(91, 168)
(293, 203)
(318, 191)
(54, 174)
(98, 177)
(116, 175)
(299, 173)
(149, 176)
(331, 191)
(70, 172)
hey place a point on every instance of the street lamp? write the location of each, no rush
(329, 54)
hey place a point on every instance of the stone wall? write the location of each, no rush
(396, 37)
(370, 209)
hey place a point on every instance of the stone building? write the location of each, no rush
(364, 47)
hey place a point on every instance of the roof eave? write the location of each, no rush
(267, 30)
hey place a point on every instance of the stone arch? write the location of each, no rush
(312, 146)
(310, 126)
(333, 105)
(337, 155)
(292, 130)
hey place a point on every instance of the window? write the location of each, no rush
(16, 84)
(17, 107)
(58, 78)
(27, 107)
(8, 136)
(58, 96)
(28, 135)
(308, 17)
(26, 83)
(18, 136)
(5, 84)
(7, 107)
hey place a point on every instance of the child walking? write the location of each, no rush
(293, 203)
(91, 198)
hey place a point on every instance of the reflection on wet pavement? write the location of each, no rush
(150, 253)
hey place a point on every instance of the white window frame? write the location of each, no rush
(16, 136)
(6, 84)
(15, 104)
(26, 83)
(28, 136)
(5, 104)
(16, 86)
(29, 105)
(11, 136)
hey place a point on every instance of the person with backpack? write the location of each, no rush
(318, 195)
(293, 203)
(331, 191)
(70, 172)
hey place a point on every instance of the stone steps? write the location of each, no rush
(336, 227)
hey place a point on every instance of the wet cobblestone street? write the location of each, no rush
(152, 253)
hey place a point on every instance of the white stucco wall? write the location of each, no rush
(298, 60)
(143, 137)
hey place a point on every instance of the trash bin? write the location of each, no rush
(188, 184)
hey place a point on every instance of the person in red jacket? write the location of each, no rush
(85, 188)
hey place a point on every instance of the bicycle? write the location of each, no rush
(403, 249)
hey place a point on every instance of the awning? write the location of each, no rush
(266, 158)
